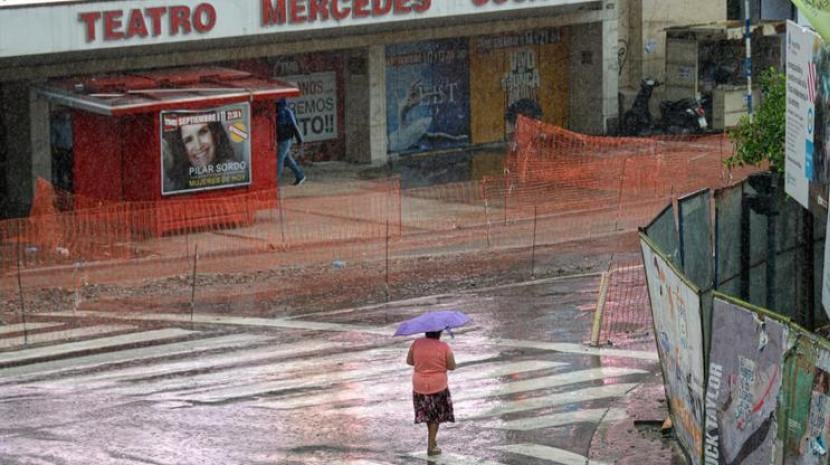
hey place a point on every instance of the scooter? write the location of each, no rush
(637, 121)
(683, 116)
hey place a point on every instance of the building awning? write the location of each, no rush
(152, 91)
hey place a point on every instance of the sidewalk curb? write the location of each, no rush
(636, 440)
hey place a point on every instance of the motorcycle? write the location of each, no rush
(683, 116)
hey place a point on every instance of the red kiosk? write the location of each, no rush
(173, 144)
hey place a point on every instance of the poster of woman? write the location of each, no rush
(205, 149)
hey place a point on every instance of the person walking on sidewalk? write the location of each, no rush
(431, 393)
(287, 132)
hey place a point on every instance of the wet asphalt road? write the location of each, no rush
(326, 388)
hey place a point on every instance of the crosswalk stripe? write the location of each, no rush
(292, 382)
(551, 454)
(560, 419)
(25, 355)
(20, 327)
(481, 372)
(578, 349)
(463, 396)
(88, 362)
(553, 400)
(53, 336)
(547, 382)
(285, 323)
(448, 458)
(357, 462)
(216, 361)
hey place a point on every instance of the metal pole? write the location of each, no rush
(193, 282)
(20, 286)
(486, 215)
(387, 260)
(533, 247)
(506, 189)
(809, 272)
(744, 248)
(771, 278)
(603, 293)
(748, 58)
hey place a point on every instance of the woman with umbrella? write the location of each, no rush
(431, 359)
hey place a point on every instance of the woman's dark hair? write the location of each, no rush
(434, 334)
(181, 163)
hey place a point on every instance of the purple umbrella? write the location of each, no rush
(432, 321)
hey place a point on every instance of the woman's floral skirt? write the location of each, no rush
(433, 408)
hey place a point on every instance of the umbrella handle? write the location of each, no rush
(449, 331)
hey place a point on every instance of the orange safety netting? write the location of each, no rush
(576, 187)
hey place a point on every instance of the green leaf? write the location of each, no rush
(762, 138)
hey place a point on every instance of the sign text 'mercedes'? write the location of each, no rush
(298, 11)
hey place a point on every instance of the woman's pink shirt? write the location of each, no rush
(430, 357)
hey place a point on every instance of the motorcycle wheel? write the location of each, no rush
(630, 125)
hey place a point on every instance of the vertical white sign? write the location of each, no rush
(316, 107)
(801, 112)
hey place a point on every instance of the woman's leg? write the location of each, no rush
(432, 433)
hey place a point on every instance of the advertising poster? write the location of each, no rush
(807, 163)
(675, 308)
(517, 73)
(744, 382)
(316, 107)
(805, 398)
(427, 96)
(205, 149)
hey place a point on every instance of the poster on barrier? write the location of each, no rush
(807, 145)
(744, 382)
(205, 149)
(806, 402)
(675, 308)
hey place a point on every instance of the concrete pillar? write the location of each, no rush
(610, 68)
(377, 105)
(15, 103)
(586, 75)
(39, 134)
(357, 111)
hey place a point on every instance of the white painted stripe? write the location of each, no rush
(578, 349)
(74, 333)
(560, 419)
(92, 344)
(213, 362)
(373, 392)
(547, 382)
(98, 361)
(553, 400)
(464, 395)
(448, 458)
(20, 327)
(284, 323)
(357, 462)
(366, 372)
(551, 454)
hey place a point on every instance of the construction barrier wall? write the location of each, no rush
(766, 379)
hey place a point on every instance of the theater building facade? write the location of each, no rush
(377, 78)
